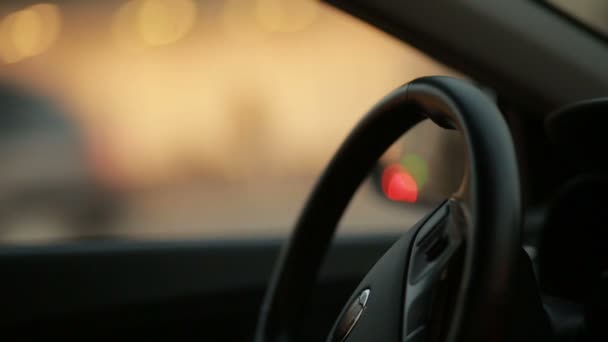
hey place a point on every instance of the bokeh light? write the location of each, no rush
(29, 32)
(147, 23)
(286, 15)
(162, 22)
(398, 184)
(417, 167)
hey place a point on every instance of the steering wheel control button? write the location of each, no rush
(436, 248)
(351, 316)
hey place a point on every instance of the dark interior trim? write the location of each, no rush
(515, 47)
(59, 280)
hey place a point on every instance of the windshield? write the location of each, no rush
(158, 119)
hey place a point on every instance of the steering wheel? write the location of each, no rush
(447, 278)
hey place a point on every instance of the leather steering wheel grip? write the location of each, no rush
(480, 226)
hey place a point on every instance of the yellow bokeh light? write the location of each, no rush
(29, 32)
(286, 15)
(8, 50)
(140, 23)
(162, 22)
(26, 30)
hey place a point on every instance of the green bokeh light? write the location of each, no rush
(417, 167)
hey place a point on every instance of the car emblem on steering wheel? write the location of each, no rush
(351, 316)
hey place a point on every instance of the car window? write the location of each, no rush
(157, 119)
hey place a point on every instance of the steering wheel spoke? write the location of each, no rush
(412, 287)
(434, 271)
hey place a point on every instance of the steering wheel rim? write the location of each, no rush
(489, 202)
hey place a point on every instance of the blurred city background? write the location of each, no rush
(158, 119)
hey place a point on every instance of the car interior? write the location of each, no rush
(282, 170)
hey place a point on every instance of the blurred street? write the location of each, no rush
(157, 119)
(256, 210)
(209, 211)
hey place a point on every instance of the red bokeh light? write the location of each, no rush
(398, 185)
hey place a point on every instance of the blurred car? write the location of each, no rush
(46, 179)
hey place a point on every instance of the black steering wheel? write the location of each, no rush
(447, 278)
